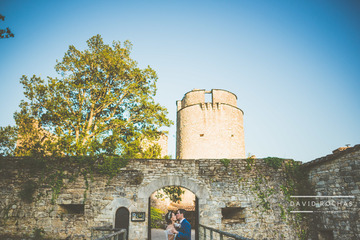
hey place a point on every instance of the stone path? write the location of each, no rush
(158, 234)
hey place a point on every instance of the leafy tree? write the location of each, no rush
(102, 103)
(157, 218)
(172, 192)
(5, 33)
(8, 136)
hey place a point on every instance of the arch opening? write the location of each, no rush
(170, 199)
(197, 187)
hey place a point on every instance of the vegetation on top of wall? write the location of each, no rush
(249, 162)
(110, 165)
(296, 184)
(225, 162)
(274, 162)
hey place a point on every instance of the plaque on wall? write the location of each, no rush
(138, 216)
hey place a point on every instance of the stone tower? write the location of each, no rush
(209, 129)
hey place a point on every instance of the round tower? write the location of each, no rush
(212, 129)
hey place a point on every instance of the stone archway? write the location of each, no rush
(196, 187)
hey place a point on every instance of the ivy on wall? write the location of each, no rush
(225, 162)
(295, 182)
(55, 173)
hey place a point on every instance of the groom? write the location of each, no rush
(184, 232)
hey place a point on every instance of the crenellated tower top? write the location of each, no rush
(209, 125)
(198, 96)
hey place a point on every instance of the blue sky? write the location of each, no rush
(294, 65)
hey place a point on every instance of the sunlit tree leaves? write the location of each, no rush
(102, 103)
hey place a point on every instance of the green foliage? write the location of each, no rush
(110, 165)
(5, 33)
(288, 190)
(157, 218)
(249, 163)
(102, 103)
(262, 194)
(295, 183)
(172, 192)
(39, 233)
(274, 162)
(27, 191)
(8, 136)
(303, 234)
(297, 180)
(225, 162)
(152, 152)
(283, 212)
(57, 184)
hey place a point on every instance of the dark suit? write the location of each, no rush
(184, 231)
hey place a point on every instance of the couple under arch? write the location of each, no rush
(178, 228)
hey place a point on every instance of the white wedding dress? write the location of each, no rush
(169, 235)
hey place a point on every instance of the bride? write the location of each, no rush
(170, 231)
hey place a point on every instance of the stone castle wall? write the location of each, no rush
(336, 175)
(251, 189)
(248, 197)
(209, 129)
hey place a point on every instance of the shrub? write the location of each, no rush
(157, 218)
